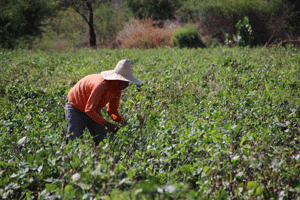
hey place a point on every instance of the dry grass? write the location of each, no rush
(145, 34)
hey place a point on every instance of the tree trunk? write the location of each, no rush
(92, 37)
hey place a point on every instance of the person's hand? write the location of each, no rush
(124, 122)
(111, 127)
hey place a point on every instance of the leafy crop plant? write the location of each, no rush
(218, 123)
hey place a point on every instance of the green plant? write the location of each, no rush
(243, 34)
(214, 123)
(187, 37)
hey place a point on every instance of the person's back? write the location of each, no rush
(91, 94)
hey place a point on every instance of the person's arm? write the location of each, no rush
(91, 111)
(112, 109)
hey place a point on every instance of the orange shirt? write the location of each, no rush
(92, 93)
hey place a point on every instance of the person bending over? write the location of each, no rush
(92, 93)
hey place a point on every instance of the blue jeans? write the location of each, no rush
(77, 121)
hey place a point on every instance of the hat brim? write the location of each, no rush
(111, 75)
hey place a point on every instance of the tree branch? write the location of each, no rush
(77, 10)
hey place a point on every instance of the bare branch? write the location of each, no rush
(83, 16)
(76, 8)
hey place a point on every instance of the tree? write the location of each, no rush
(22, 20)
(85, 9)
(157, 9)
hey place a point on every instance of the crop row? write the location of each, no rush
(205, 124)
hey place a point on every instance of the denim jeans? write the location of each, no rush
(77, 121)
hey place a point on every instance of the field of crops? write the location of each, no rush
(219, 123)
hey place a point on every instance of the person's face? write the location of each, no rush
(123, 85)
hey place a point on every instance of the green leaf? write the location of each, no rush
(251, 186)
(22, 140)
(76, 177)
(68, 188)
(30, 158)
(120, 167)
(130, 173)
(40, 168)
(50, 187)
(84, 186)
(169, 189)
(186, 168)
(227, 126)
(267, 88)
(235, 158)
(206, 168)
(222, 195)
(238, 128)
(14, 175)
(75, 162)
(259, 191)
(41, 155)
(243, 140)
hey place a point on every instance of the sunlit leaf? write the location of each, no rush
(76, 177)
(22, 140)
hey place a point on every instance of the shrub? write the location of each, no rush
(142, 34)
(268, 18)
(187, 37)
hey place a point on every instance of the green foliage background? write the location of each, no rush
(68, 30)
(206, 124)
(157, 9)
(54, 25)
(267, 17)
(22, 20)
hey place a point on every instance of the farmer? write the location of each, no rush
(92, 93)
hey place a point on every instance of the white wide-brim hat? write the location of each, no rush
(123, 72)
